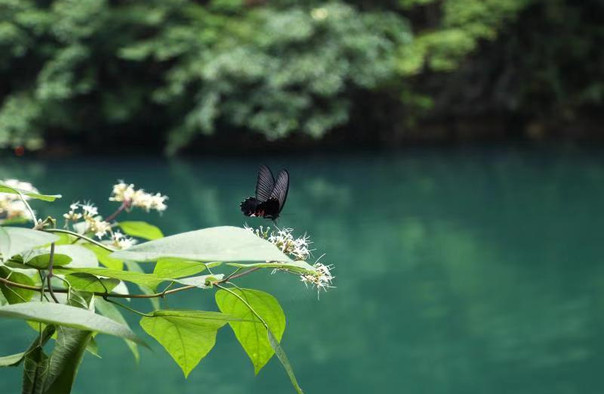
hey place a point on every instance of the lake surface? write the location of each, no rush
(458, 271)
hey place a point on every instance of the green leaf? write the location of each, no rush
(280, 353)
(40, 259)
(15, 240)
(91, 283)
(12, 360)
(135, 267)
(35, 370)
(93, 347)
(149, 280)
(15, 295)
(188, 336)
(15, 359)
(227, 244)
(111, 311)
(103, 257)
(65, 315)
(253, 337)
(65, 359)
(80, 256)
(141, 230)
(178, 268)
(11, 190)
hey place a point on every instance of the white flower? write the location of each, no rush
(284, 240)
(128, 195)
(72, 215)
(321, 278)
(121, 241)
(89, 210)
(97, 226)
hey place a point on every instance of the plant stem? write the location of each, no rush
(128, 308)
(50, 274)
(124, 205)
(92, 241)
(235, 275)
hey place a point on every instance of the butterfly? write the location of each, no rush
(270, 195)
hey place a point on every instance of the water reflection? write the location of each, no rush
(466, 271)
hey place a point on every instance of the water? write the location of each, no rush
(457, 271)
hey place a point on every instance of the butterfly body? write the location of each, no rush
(270, 195)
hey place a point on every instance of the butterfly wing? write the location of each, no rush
(265, 184)
(281, 188)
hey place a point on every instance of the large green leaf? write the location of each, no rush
(80, 256)
(87, 282)
(15, 295)
(69, 316)
(40, 259)
(188, 336)
(103, 257)
(253, 337)
(179, 268)
(148, 280)
(65, 359)
(141, 230)
(12, 190)
(226, 244)
(111, 311)
(15, 240)
(35, 371)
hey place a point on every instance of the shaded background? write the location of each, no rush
(460, 267)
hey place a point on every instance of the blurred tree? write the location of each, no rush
(103, 71)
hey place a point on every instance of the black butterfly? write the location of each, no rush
(270, 195)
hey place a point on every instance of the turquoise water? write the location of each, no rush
(467, 271)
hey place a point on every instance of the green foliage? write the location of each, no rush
(265, 309)
(187, 335)
(65, 359)
(464, 23)
(65, 315)
(178, 268)
(141, 230)
(15, 240)
(11, 190)
(16, 295)
(95, 67)
(64, 272)
(225, 243)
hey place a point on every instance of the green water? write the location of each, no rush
(457, 271)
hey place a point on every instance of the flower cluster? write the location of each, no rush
(121, 241)
(92, 222)
(298, 248)
(321, 278)
(131, 197)
(11, 205)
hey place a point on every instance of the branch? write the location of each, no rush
(115, 295)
